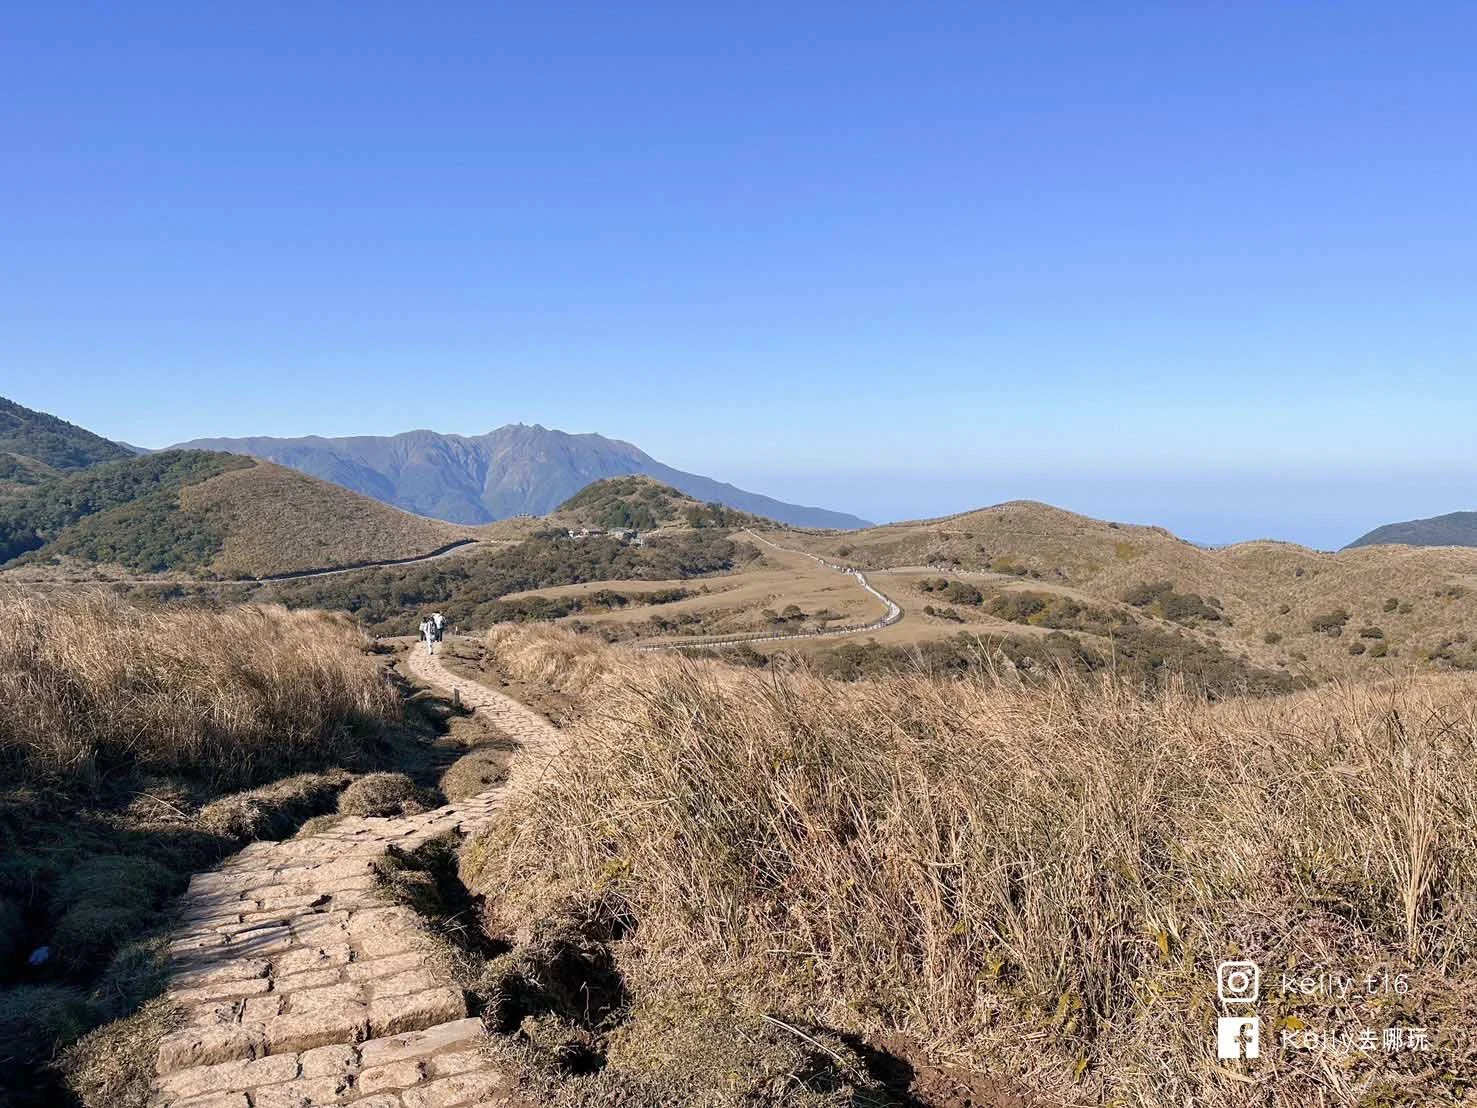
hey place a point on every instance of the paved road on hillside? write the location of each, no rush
(271, 579)
(892, 615)
(303, 984)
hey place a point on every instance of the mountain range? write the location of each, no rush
(515, 470)
(470, 480)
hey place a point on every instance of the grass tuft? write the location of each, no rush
(89, 684)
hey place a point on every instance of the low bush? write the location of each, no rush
(956, 592)
(1330, 623)
(943, 613)
(1160, 598)
(1138, 656)
(385, 794)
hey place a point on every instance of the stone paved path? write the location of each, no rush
(303, 985)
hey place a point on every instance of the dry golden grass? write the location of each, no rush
(1254, 580)
(730, 603)
(88, 682)
(1036, 881)
(280, 521)
(550, 656)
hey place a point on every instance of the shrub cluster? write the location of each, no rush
(955, 592)
(1330, 623)
(1141, 656)
(1053, 610)
(1160, 599)
(524, 609)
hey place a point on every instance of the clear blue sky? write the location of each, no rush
(1207, 265)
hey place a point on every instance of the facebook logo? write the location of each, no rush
(1237, 1037)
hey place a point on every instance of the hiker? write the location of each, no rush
(428, 632)
(440, 621)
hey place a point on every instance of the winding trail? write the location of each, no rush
(303, 985)
(891, 616)
(270, 579)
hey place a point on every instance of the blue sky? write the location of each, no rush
(1210, 266)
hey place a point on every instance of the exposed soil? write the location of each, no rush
(906, 1072)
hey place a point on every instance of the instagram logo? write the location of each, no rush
(1238, 982)
(1236, 1037)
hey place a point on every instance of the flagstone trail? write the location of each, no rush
(304, 985)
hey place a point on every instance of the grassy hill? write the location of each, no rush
(35, 437)
(642, 504)
(1452, 529)
(202, 513)
(1277, 603)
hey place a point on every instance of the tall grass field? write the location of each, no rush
(1037, 882)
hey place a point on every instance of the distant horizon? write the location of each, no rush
(885, 497)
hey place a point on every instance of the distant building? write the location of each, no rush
(626, 535)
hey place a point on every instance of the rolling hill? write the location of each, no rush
(1276, 603)
(207, 514)
(515, 470)
(643, 503)
(1452, 529)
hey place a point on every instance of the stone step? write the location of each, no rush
(302, 985)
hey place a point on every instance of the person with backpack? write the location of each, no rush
(440, 625)
(428, 633)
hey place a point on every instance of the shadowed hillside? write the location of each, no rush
(1453, 529)
(53, 443)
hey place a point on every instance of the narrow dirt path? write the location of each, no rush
(893, 612)
(304, 986)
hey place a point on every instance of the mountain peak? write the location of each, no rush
(517, 469)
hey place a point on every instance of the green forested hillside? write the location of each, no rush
(1453, 529)
(643, 503)
(126, 513)
(51, 441)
